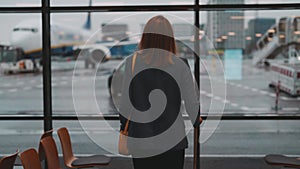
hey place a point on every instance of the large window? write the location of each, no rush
(127, 28)
(241, 52)
(251, 81)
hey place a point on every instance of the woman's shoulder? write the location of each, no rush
(182, 60)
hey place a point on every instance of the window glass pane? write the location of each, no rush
(20, 3)
(252, 138)
(118, 3)
(249, 138)
(256, 49)
(246, 1)
(20, 56)
(19, 135)
(82, 143)
(69, 34)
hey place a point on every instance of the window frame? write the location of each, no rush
(45, 9)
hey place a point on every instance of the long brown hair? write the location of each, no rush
(158, 36)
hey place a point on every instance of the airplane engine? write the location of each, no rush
(96, 55)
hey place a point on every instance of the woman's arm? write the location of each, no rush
(190, 96)
(124, 106)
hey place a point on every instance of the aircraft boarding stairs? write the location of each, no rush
(274, 49)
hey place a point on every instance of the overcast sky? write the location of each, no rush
(8, 21)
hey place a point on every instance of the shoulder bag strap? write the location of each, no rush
(132, 70)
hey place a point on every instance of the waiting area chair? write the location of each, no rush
(30, 159)
(8, 162)
(41, 152)
(51, 153)
(281, 160)
(78, 162)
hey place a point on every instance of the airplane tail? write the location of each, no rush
(87, 24)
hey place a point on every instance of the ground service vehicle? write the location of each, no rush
(13, 60)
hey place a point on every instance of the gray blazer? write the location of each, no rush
(176, 82)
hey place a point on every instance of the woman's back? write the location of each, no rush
(154, 87)
(156, 94)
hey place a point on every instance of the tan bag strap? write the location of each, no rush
(132, 70)
(126, 125)
(133, 62)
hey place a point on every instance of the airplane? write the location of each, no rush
(66, 40)
(25, 50)
(26, 44)
(28, 36)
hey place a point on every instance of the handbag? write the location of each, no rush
(123, 149)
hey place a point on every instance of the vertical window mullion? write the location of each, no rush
(46, 62)
(197, 78)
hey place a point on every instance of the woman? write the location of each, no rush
(155, 66)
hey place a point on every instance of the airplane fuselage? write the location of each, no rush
(28, 36)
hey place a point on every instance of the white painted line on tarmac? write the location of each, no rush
(218, 98)
(209, 95)
(263, 92)
(239, 85)
(13, 90)
(272, 94)
(20, 83)
(246, 87)
(290, 108)
(259, 108)
(254, 89)
(202, 92)
(6, 84)
(234, 104)
(289, 99)
(245, 108)
(27, 88)
(284, 98)
(226, 101)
